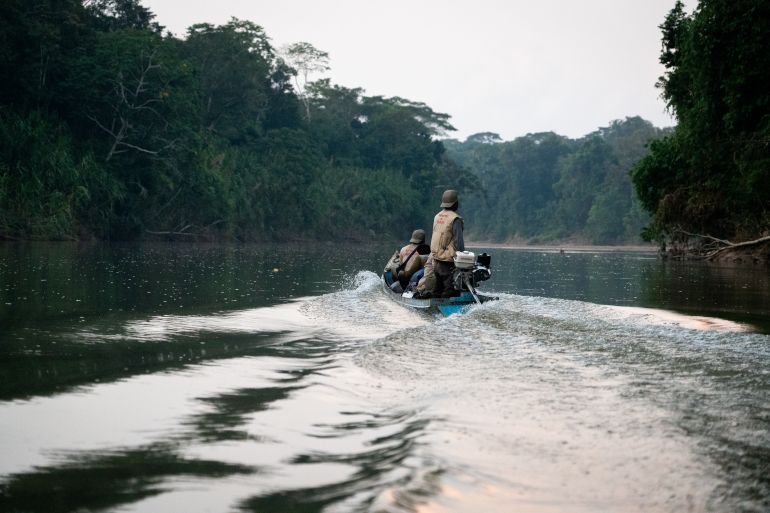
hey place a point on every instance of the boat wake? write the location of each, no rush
(363, 312)
(546, 392)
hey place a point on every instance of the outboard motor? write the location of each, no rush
(484, 260)
(470, 270)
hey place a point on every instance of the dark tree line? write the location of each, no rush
(711, 176)
(545, 187)
(111, 129)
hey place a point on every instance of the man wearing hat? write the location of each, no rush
(410, 256)
(446, 240)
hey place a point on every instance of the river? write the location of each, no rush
(281, 378)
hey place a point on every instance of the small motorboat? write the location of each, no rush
(470, 270)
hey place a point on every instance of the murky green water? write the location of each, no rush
(282, 378)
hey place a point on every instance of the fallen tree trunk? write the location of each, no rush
(716, 249)
(732, 245)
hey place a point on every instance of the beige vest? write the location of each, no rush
(442, 245)
(414, 263)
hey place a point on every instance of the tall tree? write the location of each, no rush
(305, 59)
(37, 40)
(109, 15)
(712, 175)
(233, 64)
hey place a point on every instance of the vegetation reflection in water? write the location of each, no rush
(273, 403)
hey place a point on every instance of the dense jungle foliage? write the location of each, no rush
(544, 187)
(110, 129)
(712, 174)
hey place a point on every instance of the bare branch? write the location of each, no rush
(153, 232)
(739, 245)
(214, 223)
(138, 148)
(150, 66)
(101, 126)
(727, 242)
(715, 246)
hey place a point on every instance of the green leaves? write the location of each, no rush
(232, 66)
(110, 129)
(543, 186)
(710, 177)
(43, 184)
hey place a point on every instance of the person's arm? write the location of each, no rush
(457, 234)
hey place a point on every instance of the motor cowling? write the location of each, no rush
(474, 275)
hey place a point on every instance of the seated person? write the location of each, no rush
(420, 273)
(410, 257)
(426, 280)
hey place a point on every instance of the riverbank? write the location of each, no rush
(720, 251)
(566, 248)
(758, 254)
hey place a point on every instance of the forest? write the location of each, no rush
(543, 187)
(709, 180)
(113, 129)
(110, 129)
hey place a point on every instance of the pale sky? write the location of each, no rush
(511, 67)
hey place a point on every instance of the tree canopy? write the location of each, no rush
(546, 187)
(712, 174)
(111, 129)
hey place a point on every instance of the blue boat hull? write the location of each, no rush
(447, 306)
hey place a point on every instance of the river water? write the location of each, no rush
(281, 378)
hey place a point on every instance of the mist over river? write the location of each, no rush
(281, 378)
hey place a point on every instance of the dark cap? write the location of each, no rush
(418, 237)
(449, 198)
